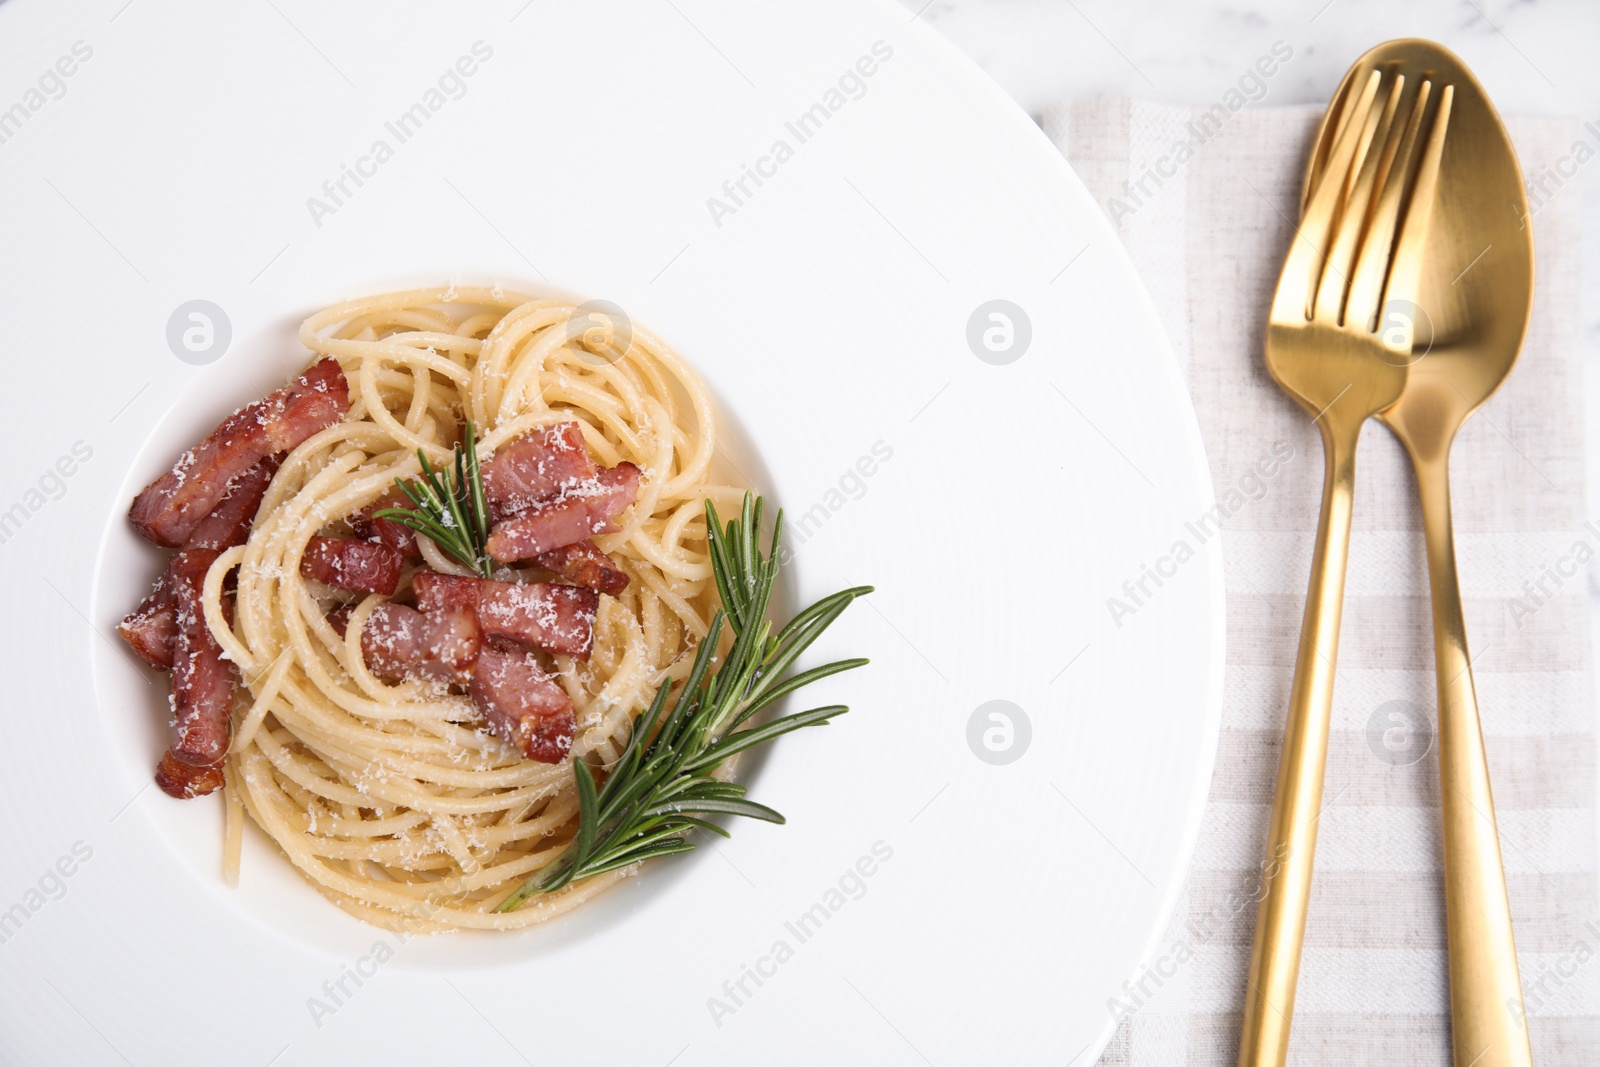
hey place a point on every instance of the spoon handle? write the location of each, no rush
(1488, 1027)
(1292, 840)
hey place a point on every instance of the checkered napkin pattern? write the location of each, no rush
(1207, 227)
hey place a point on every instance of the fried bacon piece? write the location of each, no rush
(523, 705)
(202, 685)
(230, 521)
(556, 618)
(580, 512)
(441, 646)
(152, 627)
(542, 529)
(534, 468)
(398, 536)
(350, 563)
(185, 781)
(584, 564)
(172, 507)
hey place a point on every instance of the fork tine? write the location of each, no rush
(1338, 118)
(1391, 148)
(1352, 218)
(1406, 270)
(1366, 287)
(1303, 265)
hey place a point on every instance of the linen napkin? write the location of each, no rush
(1208, 234)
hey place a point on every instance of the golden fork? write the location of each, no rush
(1476, 292)
(1362, 236)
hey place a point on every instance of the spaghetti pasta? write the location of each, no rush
(394, 800)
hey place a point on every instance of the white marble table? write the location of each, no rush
(1534, 56)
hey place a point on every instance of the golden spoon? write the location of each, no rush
(1475, 291)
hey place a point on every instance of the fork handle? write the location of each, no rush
(1488, 1027)
(1292, 840)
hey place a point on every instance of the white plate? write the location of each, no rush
(830, 308)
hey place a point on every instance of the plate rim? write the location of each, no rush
(1212, 707)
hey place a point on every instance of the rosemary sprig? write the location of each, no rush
(662, 785)
(450, 507)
